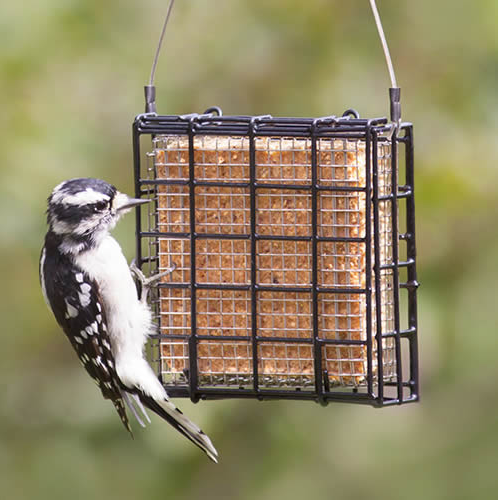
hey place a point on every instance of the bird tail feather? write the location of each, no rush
(169, 412)
(133, 402)
(120, 408)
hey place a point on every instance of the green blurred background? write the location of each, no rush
(71, 81)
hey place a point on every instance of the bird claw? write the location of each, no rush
(147, 282)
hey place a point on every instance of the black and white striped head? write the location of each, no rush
(81, 211)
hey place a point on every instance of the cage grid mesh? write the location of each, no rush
(278, 261)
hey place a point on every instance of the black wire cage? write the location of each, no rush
(293, 241)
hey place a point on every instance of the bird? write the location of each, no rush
(91, 291)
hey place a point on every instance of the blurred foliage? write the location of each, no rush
(72, 80)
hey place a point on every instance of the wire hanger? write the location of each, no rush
(394, 90)
(150, 90)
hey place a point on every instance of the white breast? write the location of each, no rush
(128, 320)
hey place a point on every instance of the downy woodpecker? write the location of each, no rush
(90, 289)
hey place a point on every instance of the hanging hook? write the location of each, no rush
(150, 90)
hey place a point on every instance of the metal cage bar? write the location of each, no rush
(193, 375)
(377, 265)
(185, 341)
(411, 284)
(253, 286)
(317, 346)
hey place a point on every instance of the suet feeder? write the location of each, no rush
(294, 246)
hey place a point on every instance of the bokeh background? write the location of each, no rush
(71, 81)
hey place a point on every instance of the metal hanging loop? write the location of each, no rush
(394, 91)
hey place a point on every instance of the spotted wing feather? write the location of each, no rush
(77, 307)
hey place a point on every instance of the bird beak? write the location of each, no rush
(124, 202)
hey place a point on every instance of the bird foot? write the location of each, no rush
(147, 282)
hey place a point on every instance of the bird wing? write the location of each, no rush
(77, 305)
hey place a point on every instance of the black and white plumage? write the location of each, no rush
(89, 287)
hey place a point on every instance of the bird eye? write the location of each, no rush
(100, 205)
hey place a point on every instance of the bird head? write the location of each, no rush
(81, 211)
